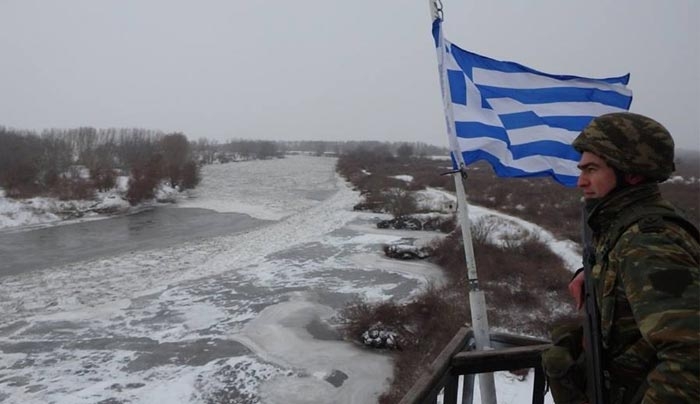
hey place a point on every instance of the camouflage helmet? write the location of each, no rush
(631, 143)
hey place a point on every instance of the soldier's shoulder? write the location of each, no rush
(658, 235)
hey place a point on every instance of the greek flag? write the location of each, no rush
(520, 120)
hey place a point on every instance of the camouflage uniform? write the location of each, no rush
(649, 301)
(646, 275)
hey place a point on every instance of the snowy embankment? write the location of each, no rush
(23, 214)
(38, 211)
(503, 228)
(243, 318)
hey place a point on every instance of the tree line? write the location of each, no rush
(51, 162)
(54, 162)
(210, 151)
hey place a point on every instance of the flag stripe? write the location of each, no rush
(459, 93)
(478, 129)
(530, 80)
(463, 113)
(539, 133)
(529, 118)
(554, 95)
(469, 60)
(520, 120)
(544, 148)
(530, 164)
(510, 106)
(509, 171)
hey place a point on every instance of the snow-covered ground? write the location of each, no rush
(43, 211)
(34, 212)
(405, 178)
(243, 319)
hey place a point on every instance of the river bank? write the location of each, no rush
(39, 212)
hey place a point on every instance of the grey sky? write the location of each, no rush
(321, 69)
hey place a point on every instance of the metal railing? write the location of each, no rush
(511, 352)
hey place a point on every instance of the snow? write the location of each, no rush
(405, 178)
(219, 288)
(510, 389)
(111, 201)
(24, 213)
(505, 226)
(276, 334)
(677, 179)
(132, 327)
(36, 212)
(228, 191)
(435, 199)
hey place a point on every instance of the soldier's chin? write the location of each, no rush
(591, 203)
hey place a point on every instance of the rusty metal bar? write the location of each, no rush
(499, 359)
(454, 361)
(437, 369)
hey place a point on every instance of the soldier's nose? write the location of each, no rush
(581, 182)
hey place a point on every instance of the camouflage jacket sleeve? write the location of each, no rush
(659, 271)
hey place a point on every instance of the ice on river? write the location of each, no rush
(244, 318)
(230, 318)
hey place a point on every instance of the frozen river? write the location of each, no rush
(159, 227)
(242, 316)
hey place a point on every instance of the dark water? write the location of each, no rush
(156, 228)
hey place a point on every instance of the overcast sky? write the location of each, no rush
(321, 69)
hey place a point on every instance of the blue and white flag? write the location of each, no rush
(520, 120)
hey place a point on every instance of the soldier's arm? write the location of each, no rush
(659, 271)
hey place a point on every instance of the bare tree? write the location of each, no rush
(19, 162)
(399, 202)
(405, 151)
(176, 150)
(55, 158)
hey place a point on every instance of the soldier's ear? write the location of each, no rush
(634, 179)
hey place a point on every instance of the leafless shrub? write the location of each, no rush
(144, 179)
(371, 172)
(480, 230)
(103, 177)
(426, 325)
(448, 226)
(74, 189)
(399, 202)
(441, 224)
(190, 175)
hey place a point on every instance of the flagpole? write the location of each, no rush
(477, 300)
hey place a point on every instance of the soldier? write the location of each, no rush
(645, 272)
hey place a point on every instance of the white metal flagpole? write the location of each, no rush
(477, 301)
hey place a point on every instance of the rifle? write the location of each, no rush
(593, 346)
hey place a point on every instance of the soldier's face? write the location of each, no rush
(597, 178)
